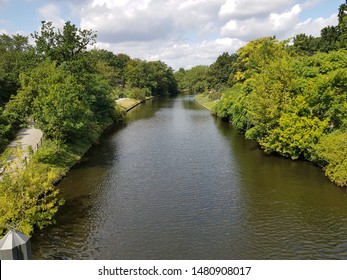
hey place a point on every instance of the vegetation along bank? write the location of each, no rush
(290, 96)
(70, 94)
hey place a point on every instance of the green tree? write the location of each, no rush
(155, 76)
(55, 100)
(329, 39)
(16, 55)
(222, 71)
(28, 197)
(306, 45)
(295, 136)
(194, 80)
(62, 45)
(116, 66)
(332, 153)
(342, 25)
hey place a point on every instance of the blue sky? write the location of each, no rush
(182, 33)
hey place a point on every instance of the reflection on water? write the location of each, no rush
(177, 183)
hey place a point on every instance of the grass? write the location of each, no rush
(128, 103)
(205, 101)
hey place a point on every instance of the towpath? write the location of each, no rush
(28, 136)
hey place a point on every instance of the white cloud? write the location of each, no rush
(273, 24)
(176, 53)
(242, 9)
(313, 26)
(51, 12)
(185, 33)
(126, 20)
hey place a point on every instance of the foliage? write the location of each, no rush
(55, 100)
(193, 81)
(332, 37)
(114, 66)
(6, 131)
(154, 76)
(16, 55)
(292, 105)
(332, 150)
(222, 71)
(62, 45)
(295, 136)
(27, 195)
(137, 93)
(306, 45)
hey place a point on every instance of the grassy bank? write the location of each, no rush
(128, 103)
(205, 101)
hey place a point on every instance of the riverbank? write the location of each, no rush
(204, 101)
(28, 194)
(128, 103)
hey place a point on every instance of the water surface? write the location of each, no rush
(173, 182)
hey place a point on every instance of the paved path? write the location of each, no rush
(26, 137)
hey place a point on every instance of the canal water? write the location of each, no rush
(173, 182)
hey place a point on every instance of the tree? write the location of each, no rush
(329, 39)
(342, 25)
(222, 71)
(155, 76)
(332, 153)
(306, 45)
(16, 55)
(116, 66)
(28, 197)
(55, 100)
(194, 80)
(270, 94)
(295, 136)
(62, 45)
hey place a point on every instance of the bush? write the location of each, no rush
(332, 153)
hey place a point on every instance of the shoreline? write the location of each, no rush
(55, 159)
(128, 103)
(204, 101)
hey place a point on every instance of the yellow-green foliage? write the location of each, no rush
(294, 136)
(205, 101)
(289, 103)
(28, 198)
(332, 149)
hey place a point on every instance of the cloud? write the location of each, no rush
(243, 9)
(313, 26)
(51, 12)
(176, 53)
(185, 33)
(274, 24)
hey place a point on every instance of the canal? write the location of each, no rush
(173, 182)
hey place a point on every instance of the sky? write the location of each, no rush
(181, 33)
